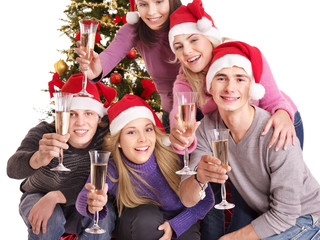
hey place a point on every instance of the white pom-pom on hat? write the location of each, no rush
(204, 24)
(132, 17)
(256, 91)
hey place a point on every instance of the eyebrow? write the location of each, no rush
(187, 38)
(237, 75)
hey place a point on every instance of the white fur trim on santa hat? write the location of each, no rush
(228, 61)
(87, 103)
(213, 33)
(128, 115)
(132, 17)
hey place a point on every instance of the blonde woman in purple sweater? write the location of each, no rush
(149, 35)
(141, 175)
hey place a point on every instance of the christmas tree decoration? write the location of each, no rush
(61, 67)
(115, 78)
(54, 82)
(127, 76)
(149, 88)
(132, 54)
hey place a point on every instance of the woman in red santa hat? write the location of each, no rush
(192, 38)
(48, 202)
(147, 31)
(141, 175)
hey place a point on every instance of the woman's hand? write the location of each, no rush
(93, 68)
(49, 148)
(97, 199)
(178, 141)
(43, 209)
(283, 130)
(167, 231)
(210, 170)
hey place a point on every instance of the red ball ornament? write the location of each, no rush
(115, 78)
(132, 54)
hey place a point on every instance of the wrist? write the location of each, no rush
(33, 162)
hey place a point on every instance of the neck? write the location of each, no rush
(238, 121)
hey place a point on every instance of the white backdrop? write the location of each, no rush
(287, 33)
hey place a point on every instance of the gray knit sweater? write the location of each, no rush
(278, 185)
(43, 180)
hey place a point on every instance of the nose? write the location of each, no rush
(230, 85)
(151, 9)
(187, 49)
(79, 120)
(141, 137)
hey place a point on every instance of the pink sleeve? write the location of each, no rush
(273, 98)
(118, 48)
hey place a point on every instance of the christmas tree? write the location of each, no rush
(130, 75)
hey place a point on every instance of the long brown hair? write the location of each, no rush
(149, 36)
(128, 192)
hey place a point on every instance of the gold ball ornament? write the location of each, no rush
(61, 67)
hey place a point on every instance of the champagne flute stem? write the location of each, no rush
(61, 156)
(223, 192)
(84, 81)
(96, 219)
(186, 157)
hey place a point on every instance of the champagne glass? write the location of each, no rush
(62, 103)
(99, 161)
(88, 29)
(220, 151)
(187, 115)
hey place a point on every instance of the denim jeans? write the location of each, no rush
(65, 219)
(305, 229)
(298, 125)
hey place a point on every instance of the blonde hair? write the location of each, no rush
(128, 193)
(196, 82)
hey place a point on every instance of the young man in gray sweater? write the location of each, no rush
(276, 184)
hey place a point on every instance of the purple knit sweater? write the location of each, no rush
(164, 195)
(156, 57)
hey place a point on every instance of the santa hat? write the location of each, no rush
(192, 19)
(129, 108)
(132, 16)
(242, 55)
(74, 85)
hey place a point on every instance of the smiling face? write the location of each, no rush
(194, 51)
(230, 89)
(83, 125)
(137, 140)
(154, 12)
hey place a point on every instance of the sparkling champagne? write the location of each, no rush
(98, 175)
(62, 122)
(87, 43)
(220, 151)
(187, 116)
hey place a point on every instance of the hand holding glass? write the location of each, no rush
(220, 151)
(99, 163)
(187, 115)
(88, 29)
(62, 103)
